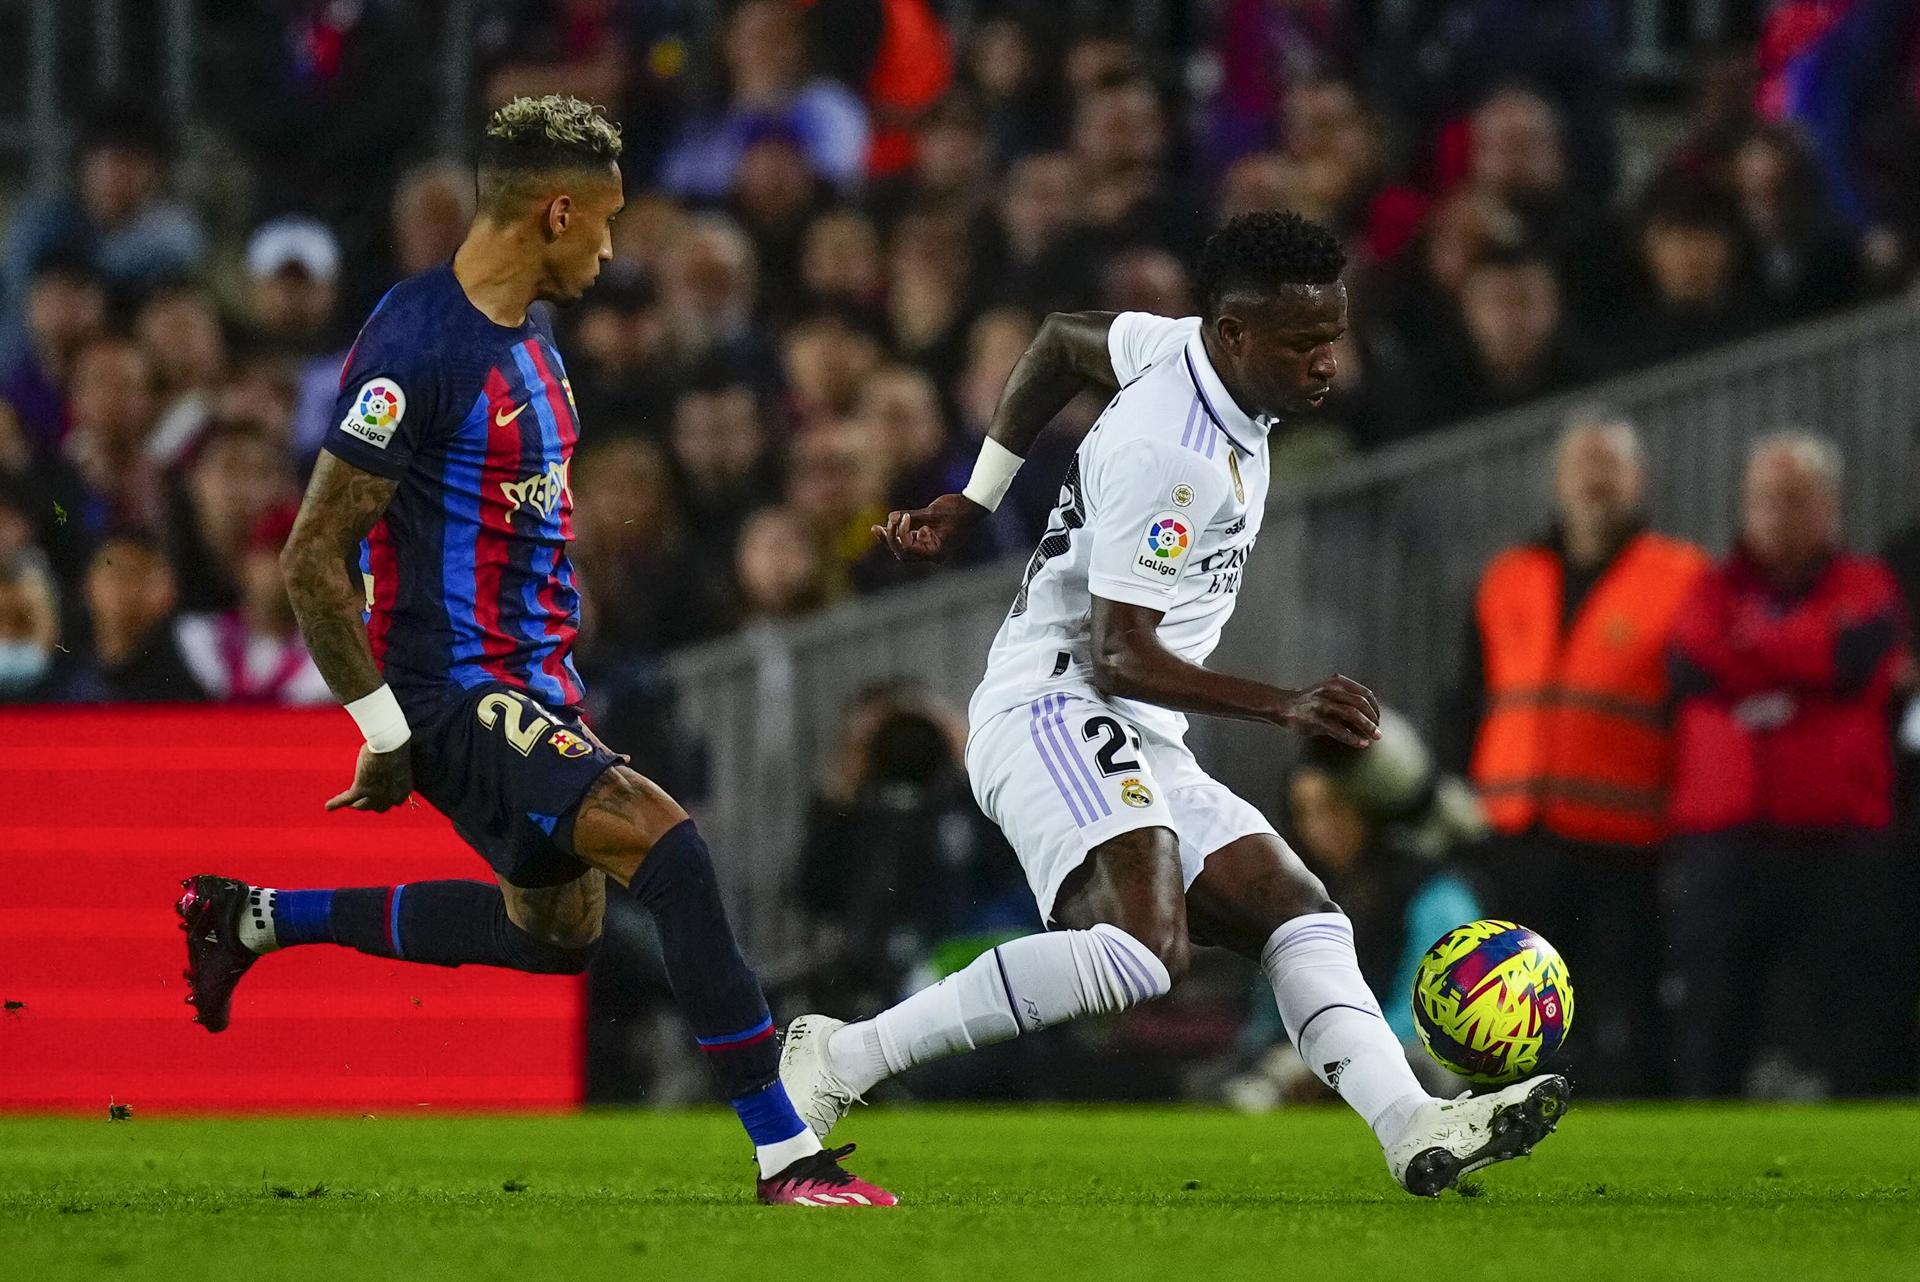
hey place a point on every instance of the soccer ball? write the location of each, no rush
(1492, 1001)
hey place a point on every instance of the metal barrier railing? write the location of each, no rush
(1367, 569)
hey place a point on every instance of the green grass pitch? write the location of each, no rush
(1645, 1193)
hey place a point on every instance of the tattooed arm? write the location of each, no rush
(342, 504)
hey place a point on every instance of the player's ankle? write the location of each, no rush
(856, 1056)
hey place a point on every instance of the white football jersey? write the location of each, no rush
(1159, 508)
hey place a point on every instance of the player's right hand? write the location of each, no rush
(381, 780)
(931, 533)
(1340, 708)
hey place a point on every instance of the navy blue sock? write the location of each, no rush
(442, 923)
(718, 993)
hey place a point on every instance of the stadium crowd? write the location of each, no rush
(843, 226)
(842, 229)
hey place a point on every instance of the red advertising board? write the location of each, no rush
(103, 811)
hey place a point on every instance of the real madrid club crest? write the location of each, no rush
(1135, 794)
(1233, 466)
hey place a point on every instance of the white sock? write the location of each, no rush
(1022, 986)
(1336, 1024)
(256, 923)
(775, 1158)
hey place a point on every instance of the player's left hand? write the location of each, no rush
(381, 780)
(931, 533)
(1339, 708)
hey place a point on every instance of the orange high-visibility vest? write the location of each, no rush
(1574, 737)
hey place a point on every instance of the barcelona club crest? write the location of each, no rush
(569, 744)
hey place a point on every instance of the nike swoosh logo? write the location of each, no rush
(501, 418)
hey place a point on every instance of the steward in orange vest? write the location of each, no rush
(1574, 736)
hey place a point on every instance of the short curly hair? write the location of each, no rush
(531, 136)
(1266, 250)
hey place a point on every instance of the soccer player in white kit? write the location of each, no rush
(1076, 733)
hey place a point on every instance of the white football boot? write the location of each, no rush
(806, 1070)
(1448, 1138)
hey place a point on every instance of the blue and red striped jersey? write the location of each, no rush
(467, 573)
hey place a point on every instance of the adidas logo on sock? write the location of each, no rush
(1334, 1070)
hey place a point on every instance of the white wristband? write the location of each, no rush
(993, 473)
(380, 720)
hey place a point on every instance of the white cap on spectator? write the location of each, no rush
(293, 241)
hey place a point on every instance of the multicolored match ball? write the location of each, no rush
(1492, 1001)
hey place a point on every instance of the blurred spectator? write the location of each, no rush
(179, 327)
(645, 586)
(1266, 51)
(1518, 344)
(114, 406)
(324, 100)
(1146, 279)
(239, 475)
(1338, 170)
(774, 196)
(930, 291)
(119, 220)
(131, 594)
(294, 268)
(840, 263)
(1808, 263)
(66, 308)
(950, 176)
(1784, 666)
(709, 282)
(725, 461)
(826, 358)
(1567, 48)
(1035, 261)
(837, 482)
(780, 567)
(769, 86)
(1519, 158)
(1696, 287)
(1007, 68)
(431, 211)
(895, 54)
(903, 406)
(253, 653)
(1381, 829)
(900, 872)
(623, 375)
(1120, 143)
(29, 628)
(47, 494)
(1564, 679)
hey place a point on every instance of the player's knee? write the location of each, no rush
(1163, 933)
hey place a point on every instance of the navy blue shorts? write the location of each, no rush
(508, 771)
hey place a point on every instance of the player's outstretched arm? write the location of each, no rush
(1068, 356)
(341, 505)
(1129, 662)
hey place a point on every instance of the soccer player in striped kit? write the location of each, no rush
(445, 480)
(1076, 733)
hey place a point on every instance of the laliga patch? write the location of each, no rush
(1136, 794)
(1162, 548)
(376, 412)
(569, 744)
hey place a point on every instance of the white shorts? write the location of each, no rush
(1065, 774)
